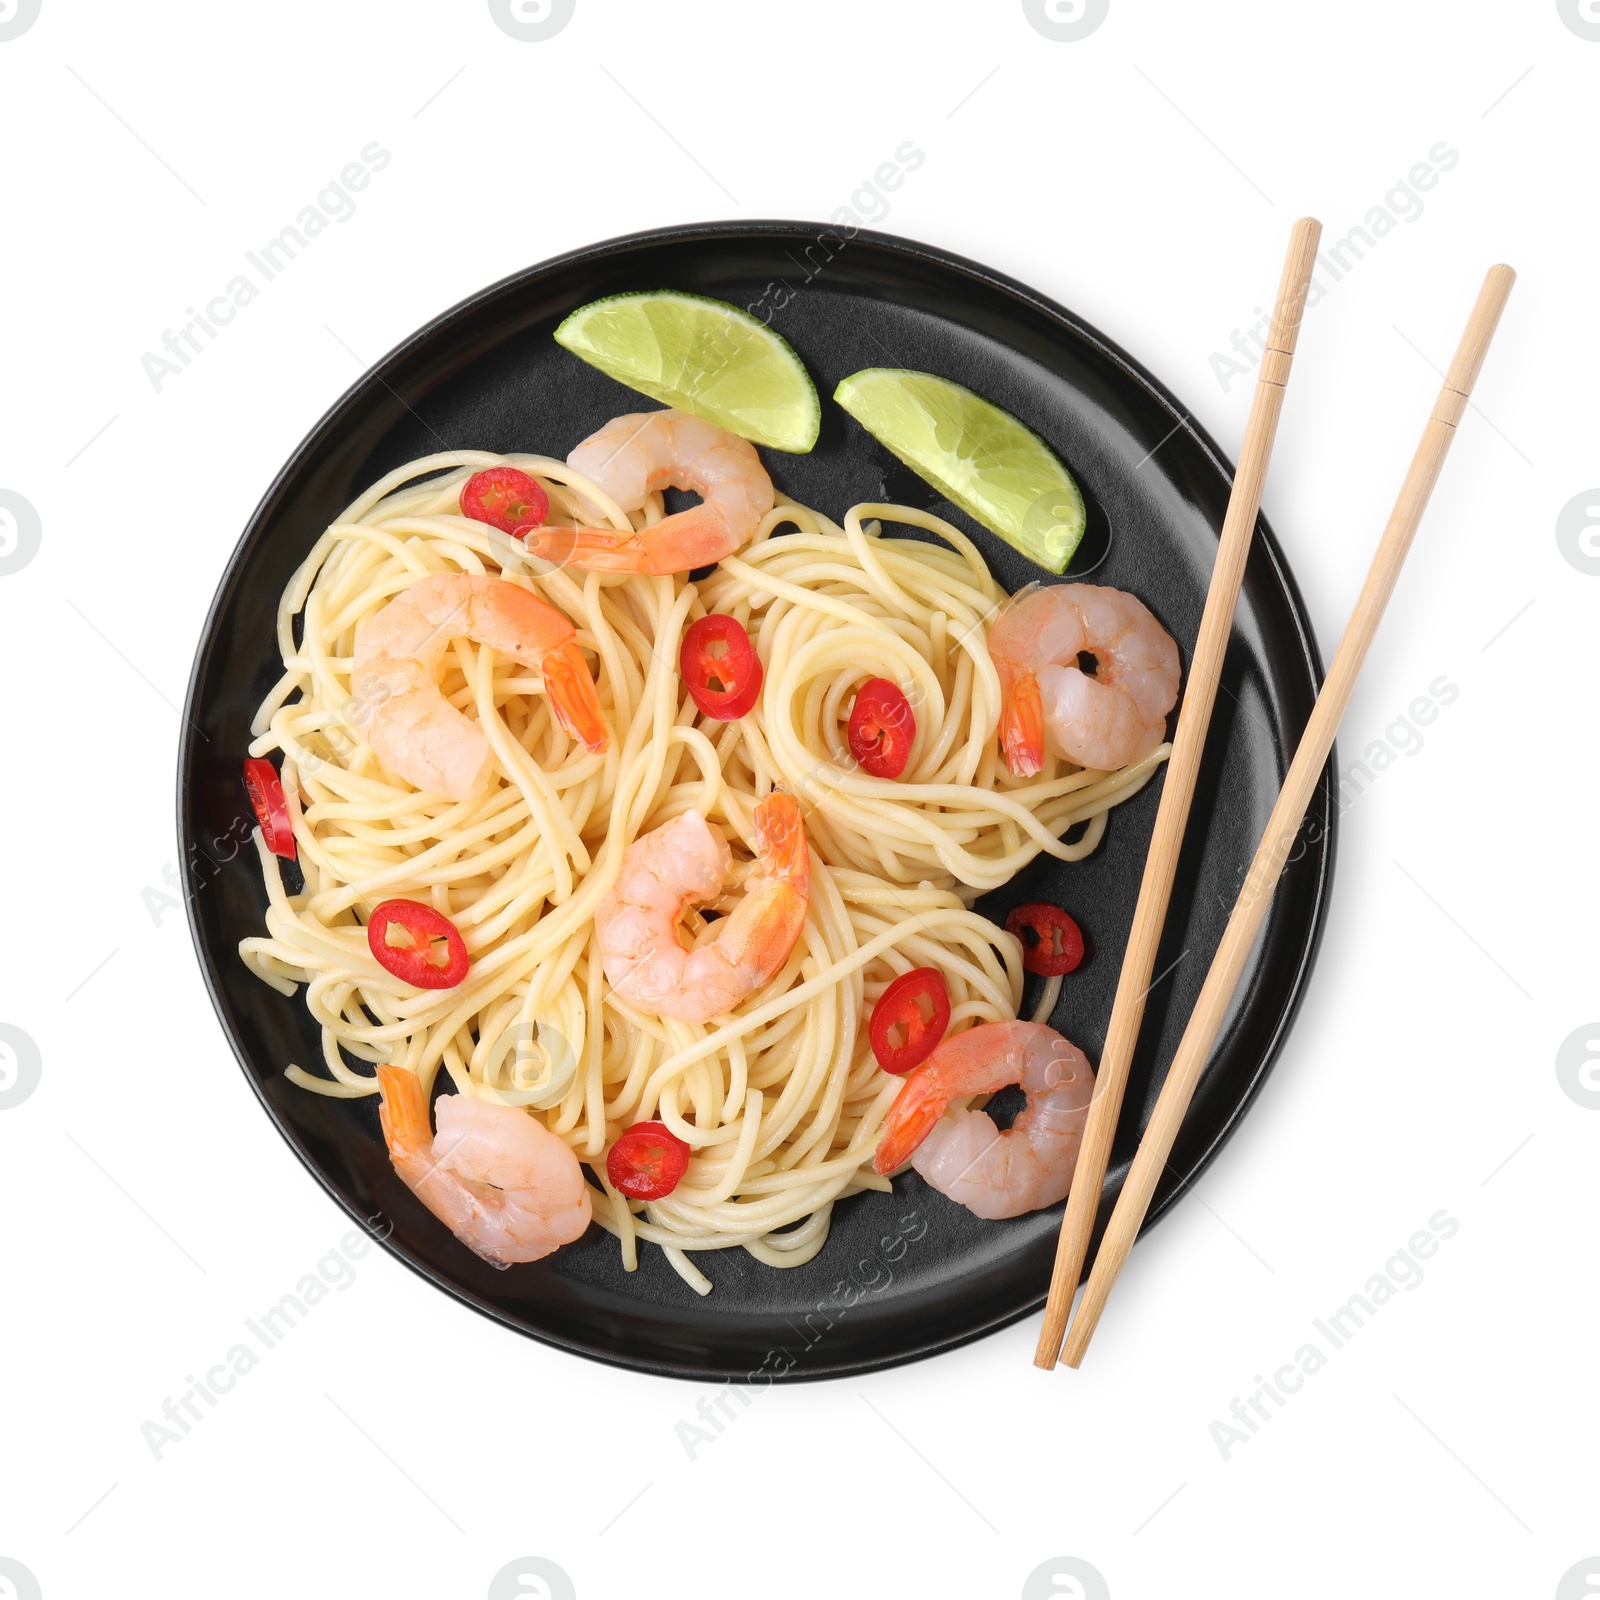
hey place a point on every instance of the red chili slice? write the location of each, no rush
(647, 1161)
(901, 1007)
(262, 784)
(724, 682)
(1052, 943)
(417, 962)
(504, 498)
(882, 729)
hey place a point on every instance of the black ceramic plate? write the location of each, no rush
(907, 1274)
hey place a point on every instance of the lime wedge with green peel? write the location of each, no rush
(703, 356)
(995, 468)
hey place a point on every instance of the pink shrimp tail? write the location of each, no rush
(911, 1119)
(594, 549)
(698, 537)
(1022, 725)
(766, 924)
(781, 840)
(573, 696)
(402, 1111)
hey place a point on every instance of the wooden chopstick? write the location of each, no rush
(1183, 767)
(1305, 771)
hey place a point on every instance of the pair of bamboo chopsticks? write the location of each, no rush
(1283, 825)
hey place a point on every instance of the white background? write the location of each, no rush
(1146, 176)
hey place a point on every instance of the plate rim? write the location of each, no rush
(712, 234)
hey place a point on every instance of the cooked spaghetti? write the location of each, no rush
(781, 1102)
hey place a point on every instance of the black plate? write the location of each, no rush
(907, 1274)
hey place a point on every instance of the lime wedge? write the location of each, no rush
(703, 356)
(992, 466)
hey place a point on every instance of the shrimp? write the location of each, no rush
(416, 732)
(965, 1156)
(499, 1180)
(688, 861)
(633, 456)
(1105, 720)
